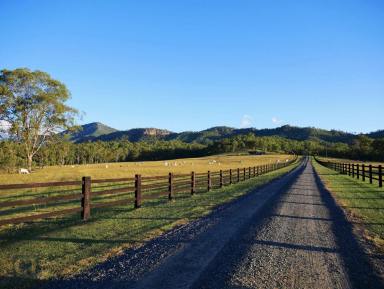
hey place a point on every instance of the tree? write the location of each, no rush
(33, 106)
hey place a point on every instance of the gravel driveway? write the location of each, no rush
(287, 234)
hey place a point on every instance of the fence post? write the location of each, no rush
(193, 183)
(244, 170)
(137, 191)
(254, 171)
(257, 171)
(230, 176)
(238, 174)
(370, 174)
(209, 184)
(170, 186)
(353, 170)
(380, 176)
(86, 198)
(249, 172)
(363, 172)
(221, 178)
(358, 171)
(349, 169)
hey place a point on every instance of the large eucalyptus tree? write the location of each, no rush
(33, 108)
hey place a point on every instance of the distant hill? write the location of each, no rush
(376, 134)
(308, 133)
(136, 134)
(290, 132)
(204, 136)
(100, 132)
(89, 132)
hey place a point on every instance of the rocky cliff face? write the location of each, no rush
(156, 132)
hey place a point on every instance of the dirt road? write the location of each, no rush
(288, 234)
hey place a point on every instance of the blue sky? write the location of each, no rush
(190, 65)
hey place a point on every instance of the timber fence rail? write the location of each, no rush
(365, 172)
(89, 194)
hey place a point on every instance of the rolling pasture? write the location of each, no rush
(129, 169)
(63, 245)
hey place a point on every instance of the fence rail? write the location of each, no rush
(133, 190)
(357, 170)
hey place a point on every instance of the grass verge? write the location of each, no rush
(32, 253)
(363, 202)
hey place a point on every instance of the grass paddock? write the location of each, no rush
(148, 168)
(363, 202)
(34, 252)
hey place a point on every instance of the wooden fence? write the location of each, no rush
(133, 190)
(357, 170)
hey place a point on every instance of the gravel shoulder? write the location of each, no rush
(288, 234)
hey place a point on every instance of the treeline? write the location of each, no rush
(68, 153)
(362, 148)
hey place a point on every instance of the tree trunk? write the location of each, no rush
(29, 159)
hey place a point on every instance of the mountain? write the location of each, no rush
(307, 133)
(286, 131)
(136, 134)
(376, 134)
(89, 132)
(100, 132)
(204, 136)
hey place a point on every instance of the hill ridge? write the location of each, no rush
(97, 131)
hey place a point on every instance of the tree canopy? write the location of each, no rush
(33, 105)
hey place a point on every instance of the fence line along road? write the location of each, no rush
(357, 170)
(134, 190)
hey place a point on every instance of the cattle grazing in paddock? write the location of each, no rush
(23, 171)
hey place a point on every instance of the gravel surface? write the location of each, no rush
(287, 234)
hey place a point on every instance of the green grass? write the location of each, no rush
(32, 253)
(364, 202)
(337, 160)
(149, 168)
(102, 171)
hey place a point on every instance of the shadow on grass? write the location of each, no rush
(20, 282)
(360, 270)
(363, 208)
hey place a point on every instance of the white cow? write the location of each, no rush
(23, 171)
